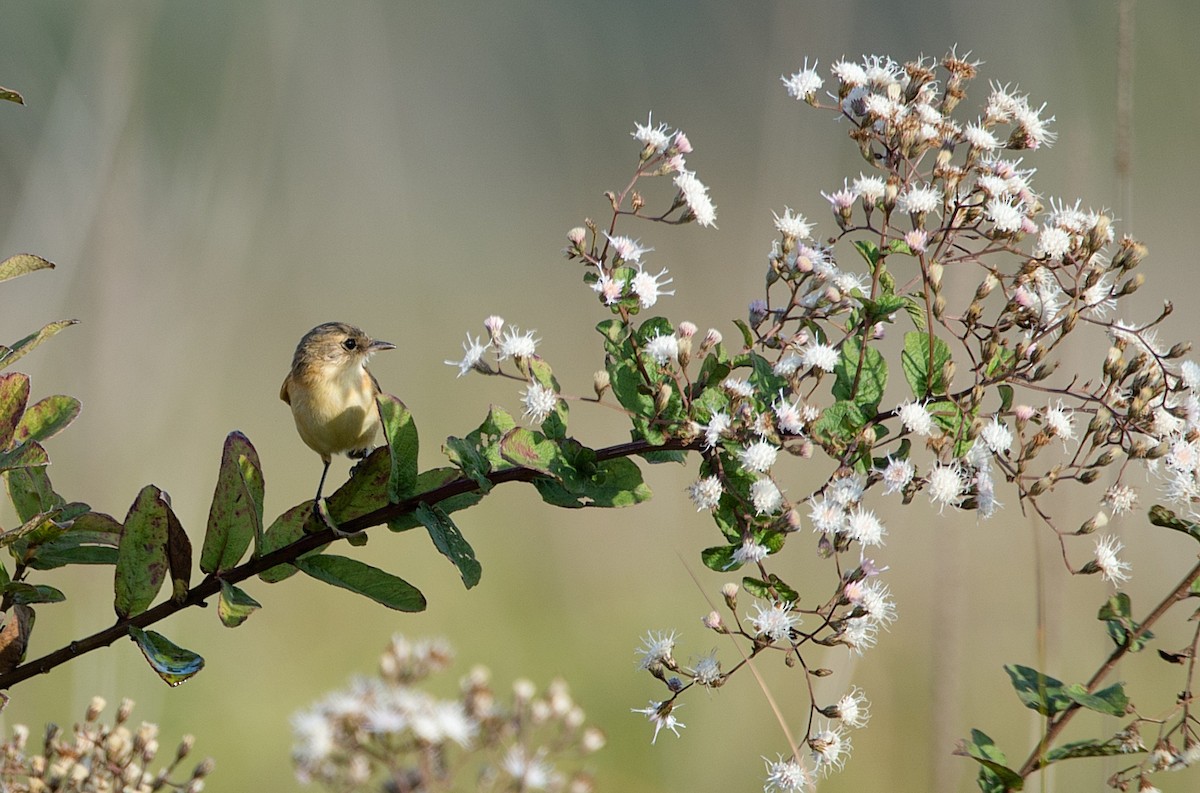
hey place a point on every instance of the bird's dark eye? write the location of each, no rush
(350, 344)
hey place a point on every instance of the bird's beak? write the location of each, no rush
(376, 346)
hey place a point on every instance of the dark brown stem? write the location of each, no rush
(1057, 724)
(211, 585)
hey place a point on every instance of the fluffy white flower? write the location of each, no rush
(750, 552)
(473, 355)
(946, 485)
(718, 424)
(830, 746)
(820, 356)
(1053, 243)
(1060, 420)
(657, 137)
(648, 288)
(765, 496)
(996, 436)
(663, 348)
(862, 525)
(793, 225)
(804, 83)
(871, 188)
(1111, 568)
(705, 493)
(979, 137)
(827, 516)
(775, 620)
(922, 198)
(516, 344)
(915, 418)
(539, 402)
(695, 195)
(758, 456)
(896, 475)
(853, 708)
(787, 776)
(1006, 216)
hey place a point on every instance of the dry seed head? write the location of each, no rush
(1132, 285)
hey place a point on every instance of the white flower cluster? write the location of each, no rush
(348, 738)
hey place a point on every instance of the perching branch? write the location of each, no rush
(211, 585)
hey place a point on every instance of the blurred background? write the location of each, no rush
(213, 179)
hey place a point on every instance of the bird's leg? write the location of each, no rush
(320, 511)
(321, 508)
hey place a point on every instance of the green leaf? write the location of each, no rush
(529, 449)
(994, 775)
(430, 481)
(27, 455)
(1039, 692)
(234, 606)
(1116, 615)
(1006, 397)
(11, 96)
(660, 456)
(46, 418)
(838, 424)
(366, 489)
(92, 538)
(1111, 700)
(31, 492)
(173, 664)
(914, 360)
(1161, 516)
(747, 335)
(478, 454)
(762, 374)
(26, 345)
(872, 380)
(719, 558)
(24, 594)
(14, 395)
(285, 530)
(916, 312)
(71, 550)
(22, 263)
(450, 542)
(869, 251)
(236, 515)
(576, 479)
(384, 588)
(401, 433)
(615, 331)
(141, 553)
(882, 309)
(1001, 362)
(1089, 748)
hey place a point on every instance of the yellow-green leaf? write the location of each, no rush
(235, 517)
(22, 263)
(234, 606)
(11, 355)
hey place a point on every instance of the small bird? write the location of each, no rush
(332, 393)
